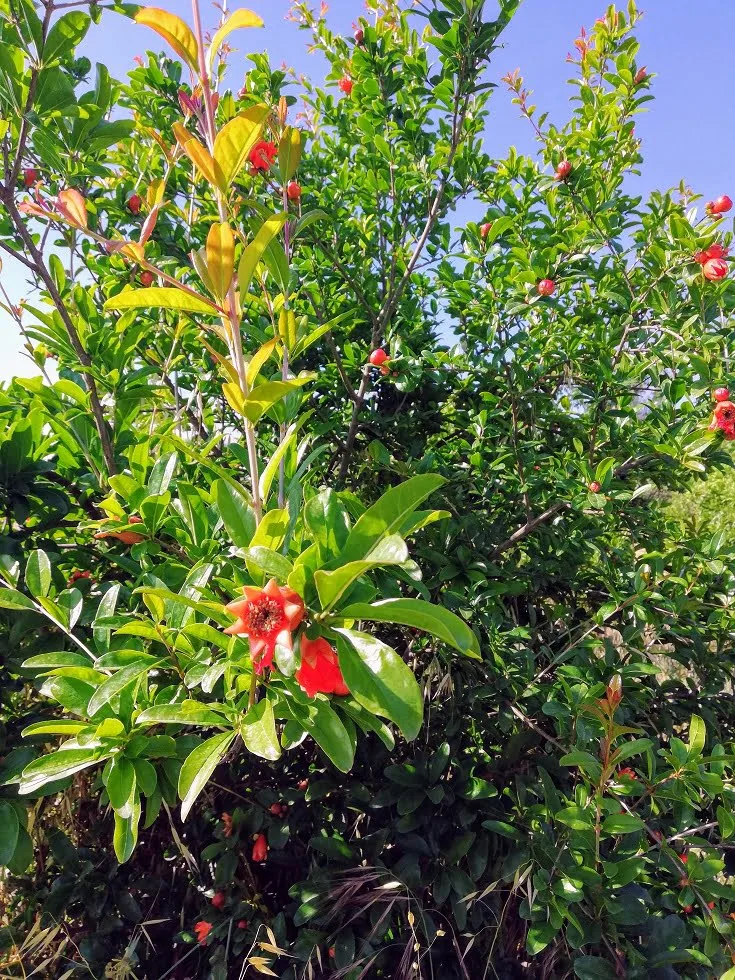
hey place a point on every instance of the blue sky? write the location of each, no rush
(688, 132)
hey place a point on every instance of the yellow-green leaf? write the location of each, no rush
(220, 257)
(289, 153)
(173, 30)
(161, 298)
(254, 251)
(199, 156)
(236, 20)
(235, 141)
(233, 394)
(227, 366)
(266, 395)
(258, 360)
(287, 328)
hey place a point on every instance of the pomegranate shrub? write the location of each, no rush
(346, 630)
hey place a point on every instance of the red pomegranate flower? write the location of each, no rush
(320, 671)
(134, 203)
(218, 900)
(267, 617)
(722, 394)
(715, 251)
(485, 229)
(202, 930)
(227, 821)
(345, 84)
(30, 176)
(714, 269)
(627, 772)
(723, 418)
(293, 191)
(262, 156)
(563, 170)
(260, 849)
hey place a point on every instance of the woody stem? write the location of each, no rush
(230, 320)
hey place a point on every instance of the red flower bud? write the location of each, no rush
(378, 357)
(359, 36)
(546, 287)
(714, 269)
(275, 809)
(641, 75)
(134, 203)
(615, 690)
(30, 176)
(345, 85)
(721, 394)
(485, 229)
(260, 849)
(242, 924)
(688, 909)
(293, 191)
(302, 784)
(684, 858)
(218, 900)
(146, 278)
(202, 930)
(594, 486)
(563, 170)
(719, 206)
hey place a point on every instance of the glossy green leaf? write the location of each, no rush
(380, 680)
(198, 768)
(258, 731)
(441, 623)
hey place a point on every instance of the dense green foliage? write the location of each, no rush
(496, 735)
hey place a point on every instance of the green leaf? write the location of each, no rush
(58, 726)
(162, 474)
(622, 823)
(120, 782)
(38, 574)
(575, 817)
(539, 936)
(48, 661)
(160, 298)
(387, 515)
(379, 680)
(697, 736)
(269, 561)
(441, 623)
(236, 513)
(9, 826)
(65, 35)
(50, 768)
(289, 153)
(125, 836)
(594, 968)
(199, 766)
(188, 713)
(266, 395)
(253, 253)
(628, 749)
(327, 729)
(331, 586)
(258, 731)
(12, 599)
(113, 685)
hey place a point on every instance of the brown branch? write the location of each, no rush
(530, 526)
